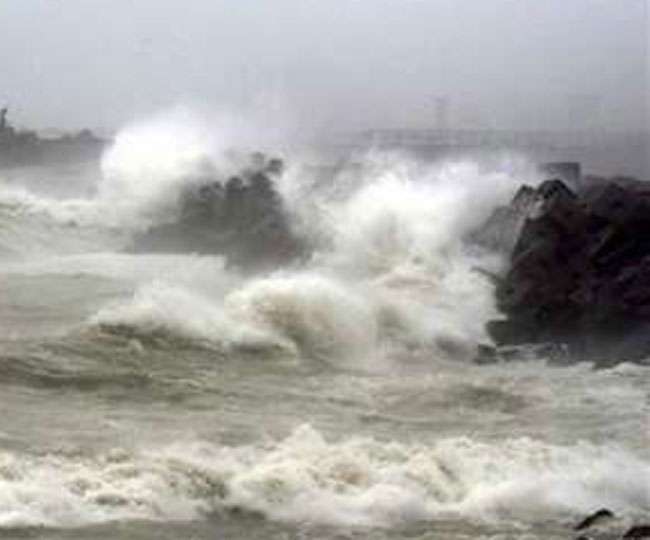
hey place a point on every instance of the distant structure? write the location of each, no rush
(20, 148)
(599, 151)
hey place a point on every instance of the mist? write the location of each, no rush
(324, 270)
(326, 67)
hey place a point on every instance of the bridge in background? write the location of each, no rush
(603, 152)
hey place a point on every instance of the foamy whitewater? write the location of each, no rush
(168, 396)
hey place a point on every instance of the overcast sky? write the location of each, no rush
(327, 64)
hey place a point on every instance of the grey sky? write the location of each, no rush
(335, 64)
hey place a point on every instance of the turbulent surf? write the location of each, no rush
(329, 392)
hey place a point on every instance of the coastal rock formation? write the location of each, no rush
(605, 524)
(598, 517)
(242, 218)
(502, 229)
(637, 531)
(579, 270)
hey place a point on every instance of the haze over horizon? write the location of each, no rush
(329, 270)
(326, 66)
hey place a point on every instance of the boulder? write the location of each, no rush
(501, 230)
(605, 518)
(638, 531)
(242, 218)
(579, 270)
(598, 517)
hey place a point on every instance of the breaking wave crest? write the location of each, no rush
(308, 314)
(33, 225)
(141, 176)
(160, 314)
(303, 314)
(389, 262)
(305, 478)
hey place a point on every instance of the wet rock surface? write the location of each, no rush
(241, 218)
(605, 525)
(638, 531)
(598, 517)
(579, 269)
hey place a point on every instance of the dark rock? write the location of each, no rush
(579, 271)
(243, 219)
(597, 518)
(502, 229)
(486, 354)
(509, 331)
(638, 531)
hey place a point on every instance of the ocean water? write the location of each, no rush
(168, 396)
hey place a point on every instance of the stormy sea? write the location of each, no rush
(170, 394)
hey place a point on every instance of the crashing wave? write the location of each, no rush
(305, 478)
(242, 219)
(161, 315)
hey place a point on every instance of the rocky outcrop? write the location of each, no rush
(637, 531)
(242, 218)
(501, 230)
(600, 516)
(579, 271)
(605, 524)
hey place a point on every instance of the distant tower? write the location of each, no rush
(442, 112)
(3, 118)
(584, 112)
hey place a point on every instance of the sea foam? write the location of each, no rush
(306, 478)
